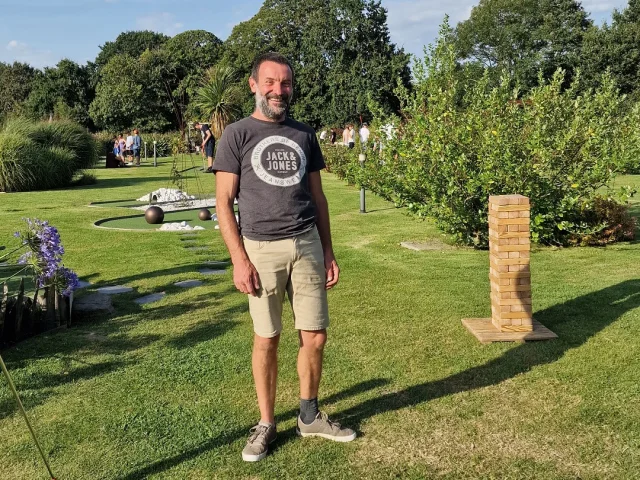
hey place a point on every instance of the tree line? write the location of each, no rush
(345, 63)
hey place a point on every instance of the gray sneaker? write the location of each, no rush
(325, 428)
(257, 446)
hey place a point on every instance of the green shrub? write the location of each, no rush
(18, 163)
(39, 155)
(461, 142)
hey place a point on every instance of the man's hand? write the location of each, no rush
(332, 269)
(246, 279)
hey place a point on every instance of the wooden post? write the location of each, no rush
(509, 276)
(19, 311)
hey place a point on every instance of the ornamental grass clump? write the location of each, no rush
(460, 140)
(43, 155)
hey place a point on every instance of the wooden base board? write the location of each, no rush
(486, 332)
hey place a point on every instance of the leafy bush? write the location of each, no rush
(43, 155)
(461, 142)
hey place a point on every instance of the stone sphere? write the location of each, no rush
(204, 214)
(154, 215)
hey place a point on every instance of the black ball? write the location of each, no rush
(154, 215)
(204, 214)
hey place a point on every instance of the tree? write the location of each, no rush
(340, 50)
(220, 98)
(617, 48)
(127, 97)
(524, 37)
(15, 84)
(62, 91)
(131, 43)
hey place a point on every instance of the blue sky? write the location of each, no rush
(42, 32)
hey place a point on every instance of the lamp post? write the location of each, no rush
(362, 157)
(145, 152)
(155, 158)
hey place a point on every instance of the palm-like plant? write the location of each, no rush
(220, 97)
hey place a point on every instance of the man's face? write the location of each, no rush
(273, 89)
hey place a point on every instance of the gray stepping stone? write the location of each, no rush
(83, 284)
(96, 302)
(188, 283)
(154, 297)
(197, 249)
(208, 271)
(114, 290)
(215, 262)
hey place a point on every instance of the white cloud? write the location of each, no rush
(160, 22)
(22, 52)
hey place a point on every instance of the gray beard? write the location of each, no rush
(272, 113)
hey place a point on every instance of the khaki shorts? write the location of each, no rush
(295, 266)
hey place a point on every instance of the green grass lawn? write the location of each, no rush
(165, 390)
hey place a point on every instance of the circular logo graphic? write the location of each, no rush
(279, 161)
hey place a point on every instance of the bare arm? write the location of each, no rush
(245, 276)
(324, 228)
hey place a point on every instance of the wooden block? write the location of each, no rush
(523, 200)
(512, 315)
(504, 199)
(509, 208)
(518, 268)
(514, 248)
(523, 228)
(525, 240)
(509, 301)
(514, 215)
(525, 213)
(526, 293)
(508, 221)
(511, 261)
(511, 288)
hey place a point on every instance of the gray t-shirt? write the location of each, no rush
(273, 161)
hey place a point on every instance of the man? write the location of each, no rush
(323, 135)
(345, 135)
(364, 135)
(129, 148)
(208, 143)
(135, 147)
(272, 164)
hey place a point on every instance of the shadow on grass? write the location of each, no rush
(36, 388)
(186, 268)
(103, 183)
(231, 436)
(575, 321)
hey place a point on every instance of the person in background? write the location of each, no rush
(345, 135)
(208, 142)
(323, 135)
(127, 148)
(332, 138)
(135, 147)
(364, 135)
(122, 145)
(352, 136)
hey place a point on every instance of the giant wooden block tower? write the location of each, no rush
(509, 275)
(509, 272)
